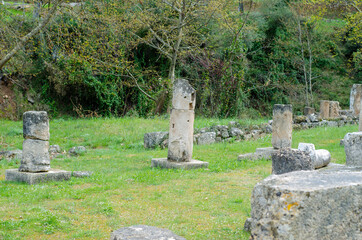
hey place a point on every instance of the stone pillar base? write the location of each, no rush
(164, 163)
(34, 178)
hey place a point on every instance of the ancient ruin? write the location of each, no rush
(180, 143)
(282, 126)
(353, 148)
(35, 162)
(324, 109)
(355, 99)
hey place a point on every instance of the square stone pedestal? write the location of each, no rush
(34, 178)
(164, 163)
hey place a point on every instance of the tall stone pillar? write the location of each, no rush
(282, 126)
(324, 109)
(355, 99)
(181, 133)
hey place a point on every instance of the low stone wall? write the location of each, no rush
(235, 131)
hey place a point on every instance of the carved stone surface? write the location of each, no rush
(36, 125)
(35, 156)
(282, 126)
(355, 99)
(324, 109)
(324, 204)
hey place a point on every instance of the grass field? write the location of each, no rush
(199, 204)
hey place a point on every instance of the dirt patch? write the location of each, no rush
(7, 101)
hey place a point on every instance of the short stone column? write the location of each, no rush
(355, 99)
(35, 164)
(181, 134)
(282, 126)
(324, 109)
(353, 148)
(36, 144)
(334, 109)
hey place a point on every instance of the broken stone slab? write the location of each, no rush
(54, 149)
(35, 178)
(282, 126)
(355, 99)
(154, 139)
(323, 204)
(81, 174)
(75, 151)
(260, 153)
(164, 163)
(347, 113)
(288, 160)
(36, 125)
(313, 117)
(35, 156)
(353, 148)
(144, 232)
(206, 138)
(324, 109)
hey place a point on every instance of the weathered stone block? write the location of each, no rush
(36, 125)
(139, 232)
(289, 160)
(34, 178)
(75, 151)
(154, 139)
(235, 132)
(9, 155)
(324, 109)
(206, 138)
(334, 109)
(180, 143)
(353, 148)
(282, 126)
(308, 111)
(35, 156)
(355, 99)
(184, 95)
(308, 205)
(165, 163)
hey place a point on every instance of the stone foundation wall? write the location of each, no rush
(234, 131)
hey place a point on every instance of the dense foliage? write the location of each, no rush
(115, 57)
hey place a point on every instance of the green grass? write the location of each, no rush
(199, 204)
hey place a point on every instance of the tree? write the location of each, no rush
(23, 40)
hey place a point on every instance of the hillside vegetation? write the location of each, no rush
(120, 57)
